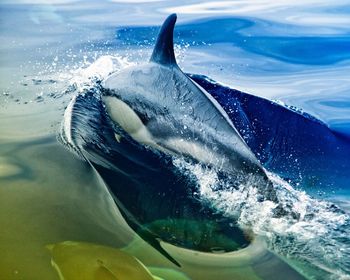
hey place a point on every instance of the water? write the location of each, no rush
(297, 54)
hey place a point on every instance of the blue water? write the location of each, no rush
(294, 54)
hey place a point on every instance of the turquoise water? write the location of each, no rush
(297, 54)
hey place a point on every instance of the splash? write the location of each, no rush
(83, 78)
(318, 234)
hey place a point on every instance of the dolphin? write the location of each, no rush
(163, 108)
(131, 126)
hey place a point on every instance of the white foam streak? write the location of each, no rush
(313, 236)
(98, 70)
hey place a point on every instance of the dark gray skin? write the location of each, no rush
(159, 106)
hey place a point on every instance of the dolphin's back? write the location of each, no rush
(182, 117)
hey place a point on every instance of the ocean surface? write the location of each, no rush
(293, 59)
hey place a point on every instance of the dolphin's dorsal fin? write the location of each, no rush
(163, 52)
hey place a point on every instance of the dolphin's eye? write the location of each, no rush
(145, 110)
(143, 117)
(106, 92)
